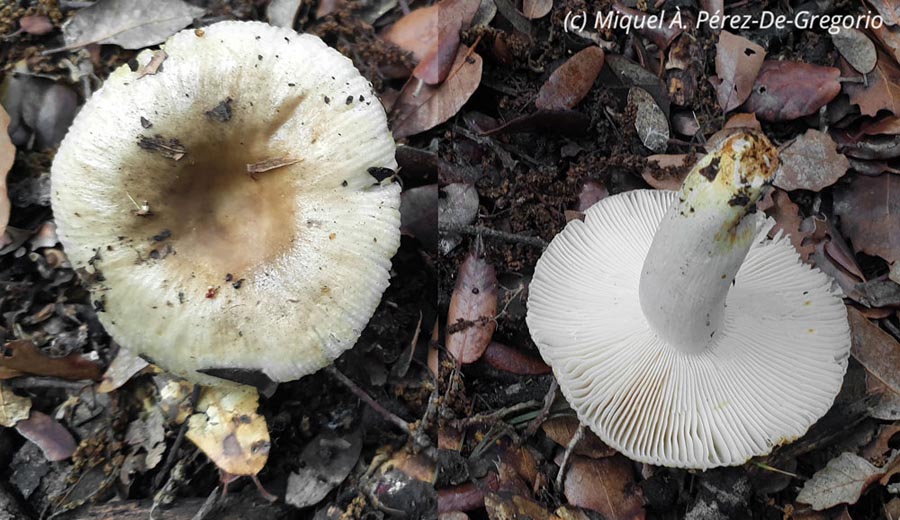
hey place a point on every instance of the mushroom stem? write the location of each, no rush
(703, 239)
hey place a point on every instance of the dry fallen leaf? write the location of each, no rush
(534, 9)
(650, 121)
(13, 408)
(677, 166)
(789, 220)
(842, 481)
(512, 360)
(591, 193)
(122, 368)
(421, 107)
(870, 215)
(415, 32)
(50, 436)
(458, 206)
(786, 90)
(7, 157)
(506, 505)
(856, 48)
(738, 61)
(561, 430)
(875, 349)
(419, 214)
(604, 485)
(131, 24)
(438, 61)
(148, 433)
(324, 463)
(880, 90)
(660, 32)
(811, 162)
(571, 81)
(22, 355)
(473, 307)
(35, 24)
(229, 431)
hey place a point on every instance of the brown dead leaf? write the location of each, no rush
(22, 355)
(473, 307)
(7, 157)
(879, 91)
(512, 360)
(738, 61)
(888, 9)
(880, 445)
(666, 172)
(229, 431)
(856, 48)
(811, 162)
(122, 368)
(591, 193)
(562, 428)
(870, 215)
(415, 32)
(571, 81)
(889, 37)
(51, 437)
(842, 481)
(889, 125)
(421, 107)
(324, 463)
(786, 90)
(789, 220)
(464, 497)
(438, 61)
(875, 349)
(506, 505)
(604, 485)
(533, 9)
(660, 32)
(35, 24)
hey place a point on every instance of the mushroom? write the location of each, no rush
(678, 332)
(221, 203)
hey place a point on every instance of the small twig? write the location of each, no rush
(494, 416)
(208, 505)
(561, 476)
(492, 233)
(766, 467)
(545, 411)
(366, 398)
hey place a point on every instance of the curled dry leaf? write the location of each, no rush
(22, 355)
(571, 81)
(856, 48)
(131, 24)
(421, 107)
(650, 121)
(454, 16)
(13, 408)
(229, 431)
(842, 481)
(786, 90)
(324, 464)
(473, 307)
(889, 125)
(870, 215)
(629, 74)
(604, 485)
(738, 61)
(51, 437)
(811, 162)
(512, 360)
(875, 349)
(7, 157)
(533, 9)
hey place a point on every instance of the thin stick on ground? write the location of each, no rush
(366, 398)
(561, 476)
(493, 233)
(545, 410)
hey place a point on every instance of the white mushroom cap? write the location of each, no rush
(274, 273)
(772, 369)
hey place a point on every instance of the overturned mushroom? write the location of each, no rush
(677, 331)
(220, 206)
